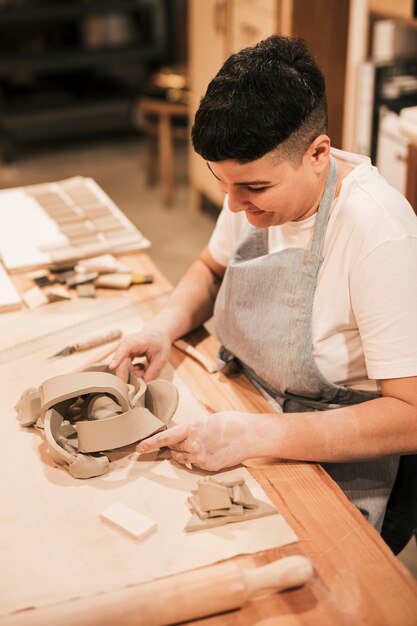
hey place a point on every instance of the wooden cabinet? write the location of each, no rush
(208, 44)
(218, 28)
(252, 21)
(405, 9)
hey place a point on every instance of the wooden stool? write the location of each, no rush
(160, 134)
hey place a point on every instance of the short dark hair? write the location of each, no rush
(270, 95)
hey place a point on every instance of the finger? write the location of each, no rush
(168, 437)
(123, 370)
(126, 348)
(182, 457)
(151, 373)
(154, 368)
(179, 447)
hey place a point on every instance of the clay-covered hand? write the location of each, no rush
(219, 440)
(154, 345)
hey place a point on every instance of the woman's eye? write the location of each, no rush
(257, 189)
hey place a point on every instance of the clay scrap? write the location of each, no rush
(218, 502)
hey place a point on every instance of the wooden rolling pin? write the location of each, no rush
(183, 597)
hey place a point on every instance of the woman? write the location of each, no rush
(312, 276)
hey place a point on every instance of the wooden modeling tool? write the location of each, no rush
(195, 354)
(142, 279)
(189, 596)
(98, 340)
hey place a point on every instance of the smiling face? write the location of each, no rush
(273, 191)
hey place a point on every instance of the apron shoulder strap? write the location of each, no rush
(324, 208)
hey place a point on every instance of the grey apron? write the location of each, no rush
(263, 317)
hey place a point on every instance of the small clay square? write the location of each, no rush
(234, 509)
(242, 495)
(213, 495)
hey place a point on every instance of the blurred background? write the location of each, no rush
(108, 89)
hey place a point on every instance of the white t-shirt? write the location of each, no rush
(365, 305)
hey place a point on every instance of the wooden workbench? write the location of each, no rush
(357, 579)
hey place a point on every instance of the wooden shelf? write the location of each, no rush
(65, 10)
(72, 59)
(58, 58)
(399, 9)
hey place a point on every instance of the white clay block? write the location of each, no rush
(128, 520)
(34, 297)
(114, 281)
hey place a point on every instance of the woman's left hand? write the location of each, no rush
(211, 443)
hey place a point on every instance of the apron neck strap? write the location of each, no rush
(324, 208)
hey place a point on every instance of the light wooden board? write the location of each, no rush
(52, 543)
(65, 220)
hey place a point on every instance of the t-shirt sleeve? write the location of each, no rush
(225, 236)
(383, 288)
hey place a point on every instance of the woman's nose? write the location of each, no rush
(237, 200)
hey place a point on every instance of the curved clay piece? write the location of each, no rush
(75, 410)
(65, 443)
(67, 386)
(79, 465)
(52, 430)
(103, 367)
(28, 406)
(67, 430)
(100, 407)
(161, 399)
(138, 399)
(86, 466)
(134, 381)
(138, 383)
(118, 431)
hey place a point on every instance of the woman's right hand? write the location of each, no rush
(155, 345)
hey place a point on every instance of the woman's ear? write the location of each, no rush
(319, 151)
